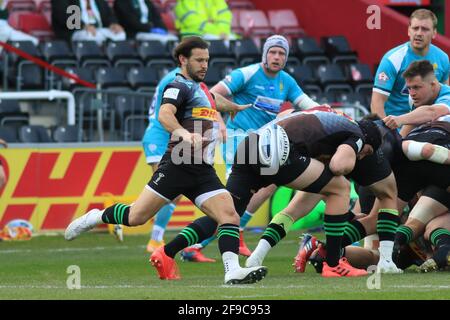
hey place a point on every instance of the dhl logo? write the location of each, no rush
(49, 187)
(204, 113)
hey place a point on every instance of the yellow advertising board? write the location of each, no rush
(50, 186)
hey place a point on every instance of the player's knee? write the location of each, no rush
(229, 215)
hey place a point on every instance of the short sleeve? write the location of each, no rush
(385, 77)
(234, 81)
(175, 94)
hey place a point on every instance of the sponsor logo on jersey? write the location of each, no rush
(383, 77)
(204, 113)
(171, 93)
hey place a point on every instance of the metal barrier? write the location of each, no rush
(47, 95)
(112, 109)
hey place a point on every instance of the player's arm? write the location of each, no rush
(418, 116)
(225, 105)
(170, 123)
(173, 100)
(304, 102)
(221, 89)
(377, 104)
(299, 99)
(382, 87)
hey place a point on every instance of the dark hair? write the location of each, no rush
(185, 47)
(421, 68)
(371, 133)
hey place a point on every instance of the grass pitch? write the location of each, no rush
(40, 269)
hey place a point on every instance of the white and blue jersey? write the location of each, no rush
(389, 80)
(156, 138)
(250, 85)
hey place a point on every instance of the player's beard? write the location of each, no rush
(193, 75)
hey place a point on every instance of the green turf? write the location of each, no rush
(37, 269)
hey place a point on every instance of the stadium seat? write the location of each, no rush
(303, 74)
(307, 46)
(16, 67)
(108, 77)
(162, 66)
(221, 56)
(359, 73)
(36, 25)
(135, 127)
(65, 133)
(21, 5)
(29, 76)
(88, 53)
(255, 24)
(213, 76)
(122, 53)
(45, 9)
(56, 50)
(130, 111)
(83, 73)
(59, 54)
(235, 23)
(9, 134)
(151, 50)
(332, 79)
(285, 22)
(292, 62)
(11, 114)
(34, 134)
(338, 50)
(143, 77)
(246, 51)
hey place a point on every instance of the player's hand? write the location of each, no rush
(239, 107)
(392, 122)
(197, 140)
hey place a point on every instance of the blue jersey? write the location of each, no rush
(156, 137)
(250, 85)
(153, 111)
(389, 80)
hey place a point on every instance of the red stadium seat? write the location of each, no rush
(21, 5)
(285, 22)
(255, 25)
(36, 25)
(235, 23)
(254, 20)
(45, 9)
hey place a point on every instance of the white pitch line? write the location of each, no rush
(68, 249)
